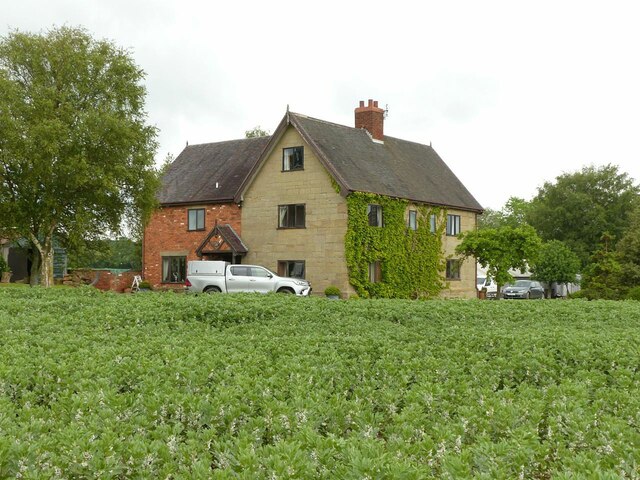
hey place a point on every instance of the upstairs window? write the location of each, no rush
(432, 222)
(374, 212)
(291, 216)
(453, 225)
(292, 159)
(196, 219)
(413, 219)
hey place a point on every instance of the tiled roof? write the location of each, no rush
(210, 172)
(396, 168)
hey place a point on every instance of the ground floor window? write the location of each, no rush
(291, 268)
(375, 272)
(453, 269)
(174, 269)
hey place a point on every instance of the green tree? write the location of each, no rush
(501, 249)
(601, 279)
(555, 263)
(76, 156)
(256, 132)
(628, 250)
(512, 214)
(579, 207)
(108, 253)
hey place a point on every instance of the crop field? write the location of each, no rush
(96, 385)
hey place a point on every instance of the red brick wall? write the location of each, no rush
(167, 232)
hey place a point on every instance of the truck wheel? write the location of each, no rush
(285, 290)
(212, 290)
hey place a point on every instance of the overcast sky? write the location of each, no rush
(510, 94)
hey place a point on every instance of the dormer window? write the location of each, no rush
(292, 159)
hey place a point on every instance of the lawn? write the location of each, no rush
(99, 385)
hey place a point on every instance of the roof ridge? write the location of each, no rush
(227, 141)
(324, 121)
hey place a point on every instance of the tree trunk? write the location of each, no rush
(498, 291)
(45, 248)
(34, 273)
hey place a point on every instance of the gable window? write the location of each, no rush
(173, 269)
(291, 216)
(375, 272)
(432, 222)
(292, 159)
(291, 268)
(196, 218)
(413, 219)
(453, 269)
(374, 212)
(453, 225)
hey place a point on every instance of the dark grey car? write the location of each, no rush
(524, 289)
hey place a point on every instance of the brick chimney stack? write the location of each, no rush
(371, 117)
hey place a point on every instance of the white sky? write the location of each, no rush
(510, 93)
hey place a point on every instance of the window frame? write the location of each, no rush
(451, 273)
(286, 166)
(375, 272)
(182, 267)
(294, 207)
(454, 225)
(379, 223)
(433, 226)
(196, 211)
(285, 266)
(413, 215)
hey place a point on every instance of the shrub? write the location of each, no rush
(332, 290)
(634, 293)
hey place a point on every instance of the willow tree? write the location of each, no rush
(76, 154)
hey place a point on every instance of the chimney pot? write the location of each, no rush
(361, 103)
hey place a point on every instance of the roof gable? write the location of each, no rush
(395, 168)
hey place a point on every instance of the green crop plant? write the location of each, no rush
(103, 385)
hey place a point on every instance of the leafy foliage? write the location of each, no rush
(412, 261)
(118, 253)
(249, 386)
(501, 249)
(513, 214)
(579, 207)
(76, 156)
(556, 263)
(628, 250)
(257, 131)
(602, 277)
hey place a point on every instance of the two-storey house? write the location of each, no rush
(337, 205)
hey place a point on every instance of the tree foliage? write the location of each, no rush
(76, 156)
(513, 214)
(501, 249)
(628, 250)
(555, 263)
(601, 279)
(579, 207)
(256, 131)
(108, 253)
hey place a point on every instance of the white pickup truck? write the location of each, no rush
(215, 276)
